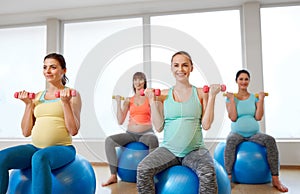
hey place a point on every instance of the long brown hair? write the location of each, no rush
(139, 75)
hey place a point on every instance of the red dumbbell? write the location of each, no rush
(206, 88)
(30, 95)
(156, 92)
(57, 93)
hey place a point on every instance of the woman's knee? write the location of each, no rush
(142, 166)
(4, 160)
(146, 166)
(153, 143)
(109, 141)
(271, 140)
(144, 170)
(150, 140)
(38, 158)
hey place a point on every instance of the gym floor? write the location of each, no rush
(288, 175)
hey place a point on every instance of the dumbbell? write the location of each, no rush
(73, 93)
(30, 95)
(122, 98)
(206, 88)
(266, 94)
(156, 92)
(256, 95)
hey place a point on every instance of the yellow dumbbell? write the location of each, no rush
(256, 95)
(122, 98)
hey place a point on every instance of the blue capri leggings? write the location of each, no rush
(42, 161)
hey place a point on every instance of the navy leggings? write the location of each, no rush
(42, 161)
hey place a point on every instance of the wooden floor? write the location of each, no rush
(289, 176)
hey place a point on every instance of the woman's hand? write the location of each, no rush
(261, 95)
(214, 89)
(149, 93)
(230, 96)
(66, 95)
(24, 96)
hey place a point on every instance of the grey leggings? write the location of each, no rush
(234, 139)
(200, 161)
(122, 139)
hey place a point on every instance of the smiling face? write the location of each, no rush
(53, 71)
(243, 81)
(138, 83)
(181, 67)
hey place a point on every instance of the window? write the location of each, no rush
(22, 51)
(102, 56)
(281, 48)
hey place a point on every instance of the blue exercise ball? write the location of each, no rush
(181, 179)
(219, 153)
(76, 177)
(177, 180)
(223, 181)
(251, 165)
(129, 158)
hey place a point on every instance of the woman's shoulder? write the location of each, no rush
(252, 96)
(199, 90)
(39, 94)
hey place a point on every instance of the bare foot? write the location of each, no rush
(278, 185)
(112, 179)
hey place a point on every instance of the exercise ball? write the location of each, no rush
(181, 179)
(76, 177)
(177, 180)
(219, 153)
(129, 158)
(223, 181)
(251, 165)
